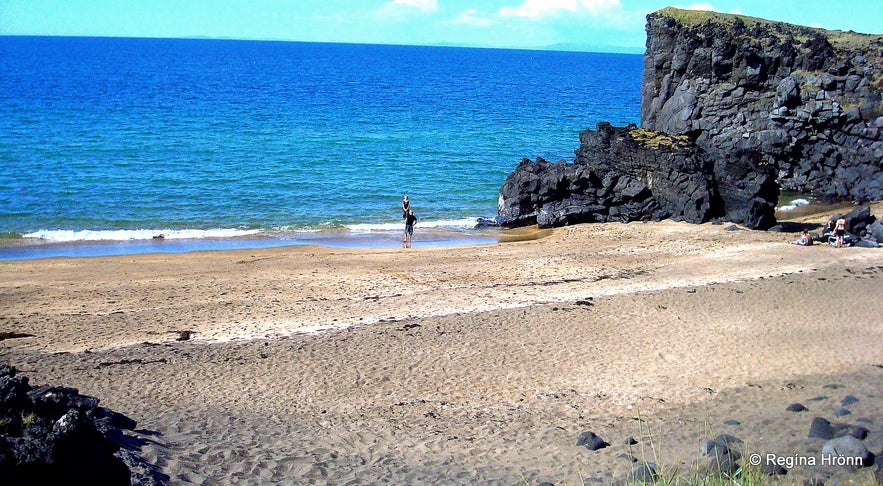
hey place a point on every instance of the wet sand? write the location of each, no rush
(480, 364)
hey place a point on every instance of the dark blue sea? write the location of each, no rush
(107, 143)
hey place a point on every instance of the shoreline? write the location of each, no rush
(450, 365)
(12, 249)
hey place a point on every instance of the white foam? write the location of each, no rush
(464, 223)
(794, 204)
(139, 234)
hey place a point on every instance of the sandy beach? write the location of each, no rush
(467, 365)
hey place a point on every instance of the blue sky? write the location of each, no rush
(601, 25)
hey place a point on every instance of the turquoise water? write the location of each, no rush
(105, 139)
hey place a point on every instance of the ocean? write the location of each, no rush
(108, 143)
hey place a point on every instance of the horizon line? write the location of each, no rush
(560, 47)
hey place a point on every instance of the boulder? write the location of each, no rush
(629, 174)
(848, 446)
(644, 473)
(54, 435)
(591, 441)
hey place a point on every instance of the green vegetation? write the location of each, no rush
(692, 18)
(840, 39)
(653, 139)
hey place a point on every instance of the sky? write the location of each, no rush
(592, 25)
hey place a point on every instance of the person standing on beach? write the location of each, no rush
(840, 231)
(410, 221)
(406, 206)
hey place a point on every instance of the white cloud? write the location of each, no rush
(396, 10)
(471, 17)
(534, 9)
(701, 6)
(423, 5)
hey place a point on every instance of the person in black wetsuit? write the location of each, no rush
(410, 221)
(406, 206)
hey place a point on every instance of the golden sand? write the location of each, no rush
(472, 365)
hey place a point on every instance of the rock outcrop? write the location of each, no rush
(54, 435)
(631, 174)
(733, 109)
(806, 101)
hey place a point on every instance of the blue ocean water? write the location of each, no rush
(123, 139)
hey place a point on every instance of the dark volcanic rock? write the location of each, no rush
(773, 469)
(732, 109)
(841, 412)
(630, 174)
(849, 446)
(804, 101)
(796, 407)
(820, 428)
(591, 441)
(644, 473)
(54, 435)
(859, 432)
(848, 400)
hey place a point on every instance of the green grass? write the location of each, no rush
(837, 38)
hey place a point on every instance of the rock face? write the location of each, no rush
(733, 108)
(805, 101)
(631, 174)
(54, 435)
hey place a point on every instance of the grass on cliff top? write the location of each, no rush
(838, 38)
(654, 139)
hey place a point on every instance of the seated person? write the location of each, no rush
(804, 240)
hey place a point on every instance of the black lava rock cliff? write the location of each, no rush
(733, 109)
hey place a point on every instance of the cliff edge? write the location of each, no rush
(806, 101)
(746, 107)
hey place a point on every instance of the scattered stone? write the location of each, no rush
(647, 472)
(820, 428)
(818, 398)
(591, 441)
(864, 420)
(848, 400)
(866, 243)
(721, 448)
(840, 412)
(848, 446)
(184, 335)
(708, 447)
(729, 440)
(796, 407)
(773, 469)
(630, 440)
(724, 464)
(627, 457)
(859, 432)
(732, 422)
(14, 335)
